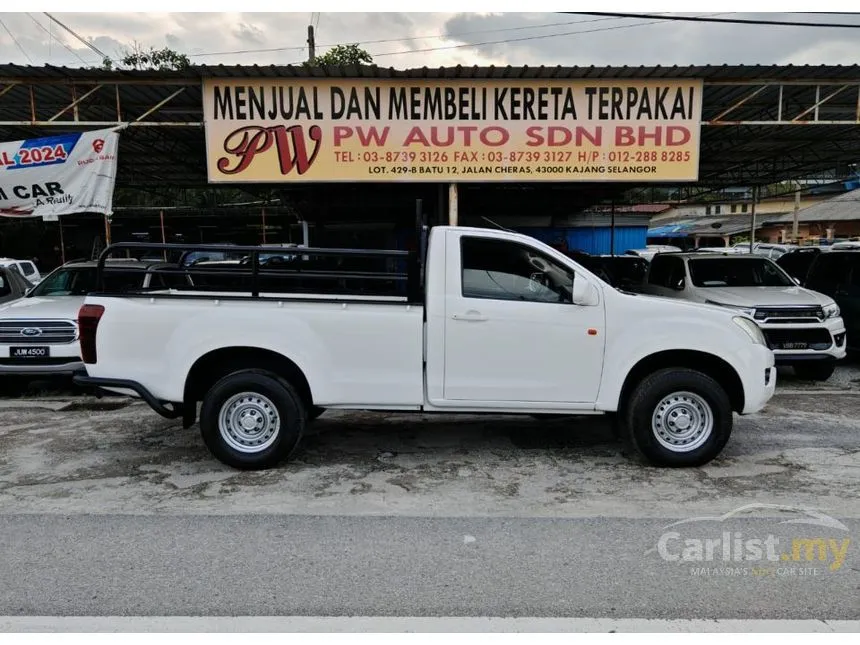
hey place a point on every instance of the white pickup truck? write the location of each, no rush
(503, 324)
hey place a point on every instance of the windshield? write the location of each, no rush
(78, 281)
(737, 272)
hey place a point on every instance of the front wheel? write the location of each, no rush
(815, 371)
(678, 417)
(252, 419)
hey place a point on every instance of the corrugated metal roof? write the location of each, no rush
(840, 208)
(710, 73)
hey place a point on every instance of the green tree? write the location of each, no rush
(162, 60)
(343, 55)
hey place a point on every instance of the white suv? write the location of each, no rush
(803, 327)
(39, 333)
(24, 267)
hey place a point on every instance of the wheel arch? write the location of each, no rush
(712, 365)
(214, 365)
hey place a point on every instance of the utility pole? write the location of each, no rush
(312, 54)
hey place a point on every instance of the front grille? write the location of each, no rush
(50, 332)
(812, 313)
(798, 339)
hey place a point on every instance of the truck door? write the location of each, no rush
(512, 332)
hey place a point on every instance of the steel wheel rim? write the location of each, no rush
(249, 422)
(682, 421)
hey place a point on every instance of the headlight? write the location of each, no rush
(831, 310)
(749, 311)
(751, 329)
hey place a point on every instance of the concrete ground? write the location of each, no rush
(106, 509)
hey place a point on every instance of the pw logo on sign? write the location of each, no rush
(291, 145)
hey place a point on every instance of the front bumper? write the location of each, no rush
(832, 330)
(167, 409)
(24, 368)
(64, 359)
(760, 380)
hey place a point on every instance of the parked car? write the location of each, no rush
(725, 250)
(25, 267)
(651, 250)
(837, 274)
(12, 285)
(851, 245)
(504, 324)
(626, 272)
(796, 262)
(803, 327)
(39, 333)
(772, 251)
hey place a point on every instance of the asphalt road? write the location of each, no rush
(117, 512)
(389, 566)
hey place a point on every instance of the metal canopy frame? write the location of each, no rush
(760, 124)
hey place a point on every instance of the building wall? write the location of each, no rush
(595, 240)
(780, 205)
(810, 231)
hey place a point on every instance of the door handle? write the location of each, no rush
(470, 316)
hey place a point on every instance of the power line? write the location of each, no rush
(15, 40)
(83, 40)
(733, 21)
(407, 38)
(513, 40)
(51, 36)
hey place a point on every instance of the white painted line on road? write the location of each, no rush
(406, 624)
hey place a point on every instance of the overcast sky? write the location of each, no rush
(456, 38)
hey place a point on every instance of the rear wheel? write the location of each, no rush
(252, 419)
(815, 371)
(678, 417)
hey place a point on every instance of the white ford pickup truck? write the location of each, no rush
(491, 322)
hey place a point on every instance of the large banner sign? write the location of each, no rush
(53, 176)
(301, 130)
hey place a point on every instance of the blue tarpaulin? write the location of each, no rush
(670, 230)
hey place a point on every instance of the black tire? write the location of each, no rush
(642, 405)
(269, 388)
(315, 412)
(815, 370)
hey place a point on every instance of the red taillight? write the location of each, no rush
(88, 323)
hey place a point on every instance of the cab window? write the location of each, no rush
(503, 270)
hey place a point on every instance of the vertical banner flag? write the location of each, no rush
(59, 175)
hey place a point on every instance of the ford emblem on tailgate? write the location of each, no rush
(31, 332)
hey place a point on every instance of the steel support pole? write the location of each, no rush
(263, 215)
(163, 238)
(752, 217)
(62, 241)
(795, 219)
(453, 205)
(612, 231)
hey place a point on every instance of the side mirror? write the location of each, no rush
(796, 281)
(27, 292)
(679, 286)
(584, 293)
